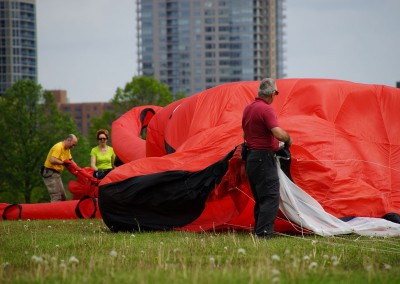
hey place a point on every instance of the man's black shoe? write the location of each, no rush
(264, 236)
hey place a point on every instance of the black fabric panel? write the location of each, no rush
(78, 209)
(159, 201)
(168, 148)
(118, 162)
(285, 167)
(393, 217)
(347, 218)
(143, 114)
(4, 216)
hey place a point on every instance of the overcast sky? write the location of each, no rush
(88, 47)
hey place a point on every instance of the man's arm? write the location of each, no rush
(93, 163)
(56, 161)
(282, 135)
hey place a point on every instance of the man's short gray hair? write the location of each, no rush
(267, 88)
(70, 137)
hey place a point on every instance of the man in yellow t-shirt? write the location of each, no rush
(54, 165)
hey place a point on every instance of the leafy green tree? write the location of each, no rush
(179, 96)
(141, 91)
(30, 125)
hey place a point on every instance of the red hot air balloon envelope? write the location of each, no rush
(189, 174)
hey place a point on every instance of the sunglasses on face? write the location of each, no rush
(102, 138)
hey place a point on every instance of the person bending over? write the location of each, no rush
(58, 155)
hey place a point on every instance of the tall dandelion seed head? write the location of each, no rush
(275, 257)
(113, 253)
(73, 260)
(275, 272)
(241, 251)
(37, 259)
(387, 266)
(313, 265)
(212, 260)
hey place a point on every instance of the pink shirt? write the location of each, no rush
(258, 120)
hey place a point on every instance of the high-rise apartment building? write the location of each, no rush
(192, 45)
(18, 56)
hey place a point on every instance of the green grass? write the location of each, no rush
(85, 251)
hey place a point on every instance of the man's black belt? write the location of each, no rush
(258, 150)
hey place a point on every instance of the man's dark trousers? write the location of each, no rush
(262, 173)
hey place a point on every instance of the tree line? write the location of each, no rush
(30, 124)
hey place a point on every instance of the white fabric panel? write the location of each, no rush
(300, 208)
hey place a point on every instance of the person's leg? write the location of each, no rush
(261, 170)
(251, 167)
(61, 189)
(268, 194)
(255, 171)
(55, 187)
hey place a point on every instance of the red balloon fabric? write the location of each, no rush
(347, 144)
(85, 185)
(345, 154)
(83, 205)
(188, 173)
(84, 208)
(126, 130)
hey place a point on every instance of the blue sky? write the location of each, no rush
(89, 47)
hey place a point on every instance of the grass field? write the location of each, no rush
(85, 251)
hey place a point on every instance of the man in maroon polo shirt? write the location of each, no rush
(262, 135)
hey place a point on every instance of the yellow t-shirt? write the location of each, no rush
(58, 151)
